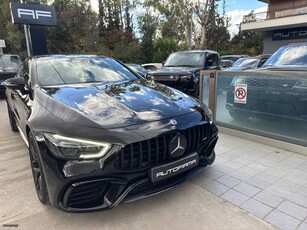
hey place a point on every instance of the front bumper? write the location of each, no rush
(78, 186)
(178, 83)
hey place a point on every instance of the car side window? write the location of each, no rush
(24, 72)
(212, 60)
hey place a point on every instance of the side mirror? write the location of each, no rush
(15, 83)
(149, 77)
(163, 63)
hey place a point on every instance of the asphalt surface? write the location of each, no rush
(186, 207)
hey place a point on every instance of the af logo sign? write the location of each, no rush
(240, 93)
(33, 14)
(36, 14)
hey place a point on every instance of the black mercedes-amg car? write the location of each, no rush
(99, 134)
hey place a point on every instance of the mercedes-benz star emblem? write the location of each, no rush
(177, 146)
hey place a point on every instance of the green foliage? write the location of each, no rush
(76, 31)
(246, 42)
(111, 33)
(148, 29)
(128, 54)
(12, 34)
(163, 47)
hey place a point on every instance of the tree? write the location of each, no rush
(202, 11)
(12, 34)
(163, 47)
(246, 42)
(148, 25)
(76, 30)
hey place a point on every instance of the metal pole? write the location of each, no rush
(191, 24)
(27, 36)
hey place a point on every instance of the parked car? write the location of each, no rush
(233, 58)
(9, 65)
(273, 95)
(181, 70)
(226, 63)
(249, 62)
(152, 66)
(138, 69)
(99, 134)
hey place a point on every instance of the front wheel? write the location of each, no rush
(37, 171)
(239, 116)
(12, 119)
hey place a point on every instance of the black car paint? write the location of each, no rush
(72, 110)
(6, 72)
(172, 76)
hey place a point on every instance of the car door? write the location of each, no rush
(212, 61)
(20, 102)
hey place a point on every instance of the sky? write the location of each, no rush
(234, 9)
(237, 8)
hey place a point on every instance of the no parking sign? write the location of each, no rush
(240, 93)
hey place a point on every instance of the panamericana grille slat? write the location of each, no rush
(151, 152)
(164, 148)
(270, 82)
(86, 194)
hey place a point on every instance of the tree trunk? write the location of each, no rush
(186, 21)
(203, 38)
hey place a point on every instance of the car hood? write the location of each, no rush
(8, 70)
(117, 105)
(175, 70)
(284, 68)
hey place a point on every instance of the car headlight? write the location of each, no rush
(185, 77)
(301, 84)
(75, 148)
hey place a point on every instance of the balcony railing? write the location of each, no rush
(263, 16)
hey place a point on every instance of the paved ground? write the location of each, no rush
(267, 182)
(247, 181)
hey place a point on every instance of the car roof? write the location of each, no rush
(196, 51)
(296, 44)
(57, 56)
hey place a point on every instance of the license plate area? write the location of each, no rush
(174, 168)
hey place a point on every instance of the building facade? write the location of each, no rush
(285, 22)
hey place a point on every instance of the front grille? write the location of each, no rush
(151, 152)
(270, 82)
(5, 76)
(86, 195)
(166, 77)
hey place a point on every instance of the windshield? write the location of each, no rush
(10, 61)
(192, 59)
(137, 68)
(288, 55)
(245, 62)
(72, 70)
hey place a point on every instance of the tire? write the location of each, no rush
(12, 119)
(239, 116)
(37, 171)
